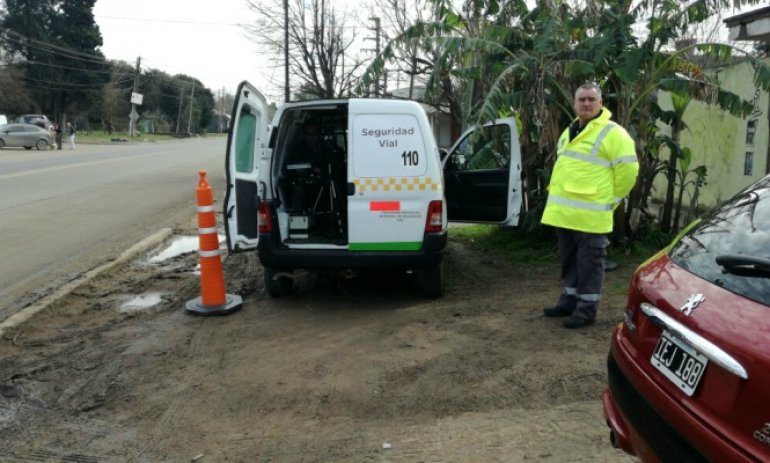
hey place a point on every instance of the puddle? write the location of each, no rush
(142, 301)
(181, 245)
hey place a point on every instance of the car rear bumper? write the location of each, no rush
(272, 254)
(647, 422)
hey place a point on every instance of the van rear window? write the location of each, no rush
(388, 146)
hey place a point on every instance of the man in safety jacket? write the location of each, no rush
(596, 167)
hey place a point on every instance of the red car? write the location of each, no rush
(689, 368)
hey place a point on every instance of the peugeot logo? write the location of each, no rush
(692, 303)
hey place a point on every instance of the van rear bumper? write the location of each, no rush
(272, 254)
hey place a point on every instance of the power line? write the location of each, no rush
(172, 21)
(96, 84)
(54, 49)
(40, 63)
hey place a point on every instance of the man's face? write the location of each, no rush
(587, 104)
(312, 137)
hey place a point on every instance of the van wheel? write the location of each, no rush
(433, 280)
(278, 286)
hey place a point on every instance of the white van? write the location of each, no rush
(367, 191)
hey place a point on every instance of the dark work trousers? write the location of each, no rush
(582, 270)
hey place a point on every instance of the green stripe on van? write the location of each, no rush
(401, 246)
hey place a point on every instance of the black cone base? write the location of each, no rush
(232, 303)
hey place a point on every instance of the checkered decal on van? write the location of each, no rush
(395, 184)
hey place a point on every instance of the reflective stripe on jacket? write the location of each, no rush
(592, 175)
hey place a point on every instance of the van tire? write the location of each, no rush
(433, 281)
(278, 286)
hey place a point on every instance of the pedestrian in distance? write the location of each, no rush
(595, 169)
(71, 135)
(57, 134)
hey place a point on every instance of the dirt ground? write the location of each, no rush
(354, 370)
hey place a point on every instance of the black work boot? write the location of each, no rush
(576, 321)
(564, 307)
(583, 315)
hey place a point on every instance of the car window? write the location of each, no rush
(740, 226)
(488, 148)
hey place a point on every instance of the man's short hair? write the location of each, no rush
(589, 86)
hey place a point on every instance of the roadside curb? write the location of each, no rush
(26, 313)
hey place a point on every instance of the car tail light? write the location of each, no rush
(264, 219)
(435, 217)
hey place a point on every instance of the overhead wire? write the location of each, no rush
(69, 54)
(48, 46)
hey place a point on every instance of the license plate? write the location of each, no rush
(679, 362)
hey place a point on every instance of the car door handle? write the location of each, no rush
(701, 344)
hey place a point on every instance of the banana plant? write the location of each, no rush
(509, 57)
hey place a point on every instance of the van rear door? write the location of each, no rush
(246, 150)
(482, 174)
(394, 171)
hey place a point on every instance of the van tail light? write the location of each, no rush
(264, 219)
(435, 217)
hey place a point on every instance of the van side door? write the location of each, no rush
(246, 150)
(482, 174)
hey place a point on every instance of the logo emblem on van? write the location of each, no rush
(692, 303)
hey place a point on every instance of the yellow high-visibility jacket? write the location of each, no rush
(592, 175)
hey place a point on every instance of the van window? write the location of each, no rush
(388, 146)
(489, 148)
(244, 143)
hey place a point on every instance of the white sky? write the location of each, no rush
(197, 38)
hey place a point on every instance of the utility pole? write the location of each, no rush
(376, 49)
(192, 101)
(385, 82)
(414, 71)
(286, 48)
(179, 112)
(134, 116)
(221, 110)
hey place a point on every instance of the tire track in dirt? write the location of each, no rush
(175, 410)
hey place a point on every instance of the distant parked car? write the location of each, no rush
(26, 135)
(689, 368)
(39, 120)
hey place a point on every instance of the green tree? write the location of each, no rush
(55, 45)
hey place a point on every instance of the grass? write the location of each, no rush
(98, 136)
(517, 246)
(513, 244)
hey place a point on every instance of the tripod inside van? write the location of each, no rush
(331, 211)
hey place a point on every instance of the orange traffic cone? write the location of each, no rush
(213, 300)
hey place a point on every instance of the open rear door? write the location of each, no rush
(482, 174)
(246, 150)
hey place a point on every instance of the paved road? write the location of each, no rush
(65, 212)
